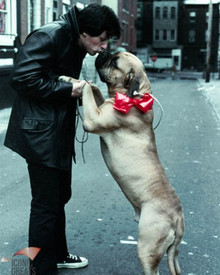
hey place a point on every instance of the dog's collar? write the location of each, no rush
(123, 103)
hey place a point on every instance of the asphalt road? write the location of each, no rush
(99, 218)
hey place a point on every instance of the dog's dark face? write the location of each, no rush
(120, 71)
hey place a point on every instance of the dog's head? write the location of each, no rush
(122, 72)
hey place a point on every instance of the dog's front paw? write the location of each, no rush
(65, 78)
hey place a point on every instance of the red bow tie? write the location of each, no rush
(123, 103)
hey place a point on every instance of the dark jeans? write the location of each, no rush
(51, 190)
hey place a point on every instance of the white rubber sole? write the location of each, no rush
(74, 265)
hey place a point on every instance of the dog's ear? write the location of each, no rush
(131, 83)
(128, 78)
(134, 87)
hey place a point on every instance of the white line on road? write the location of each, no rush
(128, 242)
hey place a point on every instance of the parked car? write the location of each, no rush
(151, 68)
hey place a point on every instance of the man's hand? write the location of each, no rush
(77, 85)
(77, 88)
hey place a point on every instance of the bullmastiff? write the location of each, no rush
(124, 123)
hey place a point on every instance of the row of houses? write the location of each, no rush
(176, 31)
(159, 32)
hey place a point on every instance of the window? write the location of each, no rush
(3, 17)
(55, 4)
(125, 4)
(65, 8)
(173, 13)
(157, 35)
(34, 14)
(139, 35)
(31, 15)
(124, 33)
(164, 34)
(192, 16)
(7, 22)
(207, 17)
(55, 16)
(140, 8)
(7, 29)
(157, 13)
(165, 12)
(172, 34)
(192, 36)
(139, 11)
(131, 36)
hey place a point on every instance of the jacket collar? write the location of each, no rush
(71, 19)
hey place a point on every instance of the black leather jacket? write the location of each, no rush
(42, 123)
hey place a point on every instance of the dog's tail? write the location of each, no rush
(172, 252)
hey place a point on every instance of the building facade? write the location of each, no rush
(176, 32)
(157, 24)
(19, 18)
(165, 24)
(8, 30)
(127, 12)
(194, 35)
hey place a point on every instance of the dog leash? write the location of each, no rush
(85, 134)
(161, 111)
(161, 108)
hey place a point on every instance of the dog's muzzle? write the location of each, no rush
(102, 59)
(100, 62)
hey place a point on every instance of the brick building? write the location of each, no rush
(194, 34)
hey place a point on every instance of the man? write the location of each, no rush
(42, 122)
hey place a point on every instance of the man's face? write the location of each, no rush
(94, 44)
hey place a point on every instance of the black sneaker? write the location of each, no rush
(73, 261)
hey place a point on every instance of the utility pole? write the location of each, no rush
(209, 42)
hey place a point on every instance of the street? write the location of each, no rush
(100, 219)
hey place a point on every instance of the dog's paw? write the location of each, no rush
(65, 78)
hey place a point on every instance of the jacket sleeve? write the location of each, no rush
(33, 73)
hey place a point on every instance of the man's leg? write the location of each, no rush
(64, 259)
(47, 218)
(65, 195)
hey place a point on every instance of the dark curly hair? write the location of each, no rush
(95, 19)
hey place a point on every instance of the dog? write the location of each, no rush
(129, 150)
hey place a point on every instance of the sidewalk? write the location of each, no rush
(4, 118)
(211, 91)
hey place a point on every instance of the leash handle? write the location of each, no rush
(85, 136)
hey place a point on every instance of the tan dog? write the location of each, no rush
(129, 150)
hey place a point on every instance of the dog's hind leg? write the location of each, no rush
(172, 257)
(148, 255)
(155, 236)
(148, 261)
(172, 251)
